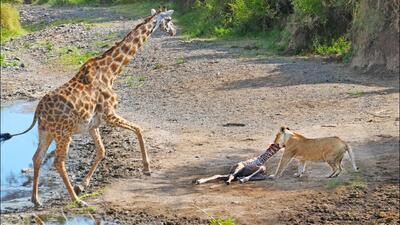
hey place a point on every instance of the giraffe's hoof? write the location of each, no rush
(243, 180)
(147, 172)
(228, 183)
(37, 203)
(81, 203)
(78, 189)
(298, 175)
(196, 182)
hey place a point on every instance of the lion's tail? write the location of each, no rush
(351, 155)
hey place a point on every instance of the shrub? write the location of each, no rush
(9, 18)
(321, 20)
(339, 47)
(9, 22)
(12, 1)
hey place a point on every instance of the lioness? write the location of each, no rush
(328, 149)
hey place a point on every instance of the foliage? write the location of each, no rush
(339, 47)
(9, 22)
(138, 8)
(67, 2)
(12, 1)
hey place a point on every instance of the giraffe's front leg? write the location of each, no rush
(116, 120)
(100, 154)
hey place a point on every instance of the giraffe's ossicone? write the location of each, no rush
(88, 100)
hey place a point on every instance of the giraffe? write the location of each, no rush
(86, 101)
(248, 170)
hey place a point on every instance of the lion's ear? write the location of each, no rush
(282, 129)
(287, 128)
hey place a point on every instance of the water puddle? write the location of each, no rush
(17, 169)
(66, 220)
(16, 154)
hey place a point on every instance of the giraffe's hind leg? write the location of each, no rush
(116, 120)
(100, 154)
(59, 162)
(44, 143)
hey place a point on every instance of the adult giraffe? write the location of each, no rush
(87, 100)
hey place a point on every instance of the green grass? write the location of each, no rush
(219, 221)
(4, 63)
(74, 57)
(338, 47)
(67, 2)
(134, 81)
(356, 94)
(158, 66)
(2, 60)
(356, 183)
(9, 23)
(180, 60)
(334, 183)
(89, 209)
(43, 25)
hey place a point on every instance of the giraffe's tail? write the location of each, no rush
(7, 136)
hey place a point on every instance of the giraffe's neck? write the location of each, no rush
(113, 60)
(268, 154)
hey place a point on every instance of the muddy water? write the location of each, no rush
(16, 155)
(17, 170)
(64, 220)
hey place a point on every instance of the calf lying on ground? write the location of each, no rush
(248, 170)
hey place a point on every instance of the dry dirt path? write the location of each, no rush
(182, 93)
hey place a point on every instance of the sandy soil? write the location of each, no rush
(191, 90)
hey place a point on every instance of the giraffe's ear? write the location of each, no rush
(153, 12)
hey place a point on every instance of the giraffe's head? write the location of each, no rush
(164, 21)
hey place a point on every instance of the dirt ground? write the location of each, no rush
(189, 91)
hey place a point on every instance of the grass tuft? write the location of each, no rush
(339, 47)
(356, 94)
(74, 57)
(9, 22)
(135, 81)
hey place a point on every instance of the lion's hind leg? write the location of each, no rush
(335, 169)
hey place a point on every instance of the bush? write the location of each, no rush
(12, 1)
(9, 18)
(339, 47)
(319, 21)
(9, 22)
(67, 2)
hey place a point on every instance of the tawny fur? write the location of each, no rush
(328, 149)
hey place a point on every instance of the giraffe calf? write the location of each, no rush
(248, 170)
